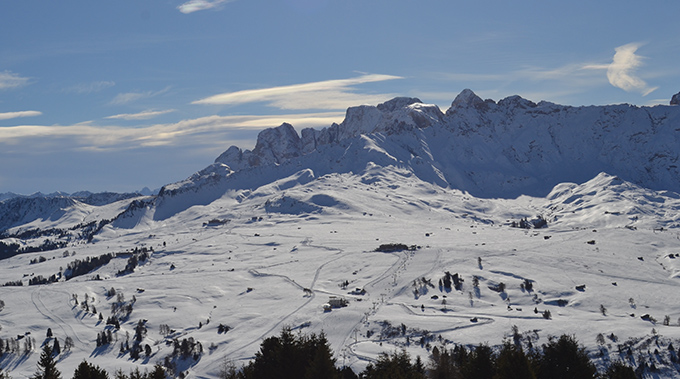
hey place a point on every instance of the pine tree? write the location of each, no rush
(47, 367)
(87, 370)
(564, 358)
(157, 373)
(56, 349)
(480, 364)
(322, 364)
(513, 363)
(618, 370)
(397, 365)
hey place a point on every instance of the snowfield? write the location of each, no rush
(404, 214)
(281, 256)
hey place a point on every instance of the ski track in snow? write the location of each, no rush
(281, 322)
(65, 327)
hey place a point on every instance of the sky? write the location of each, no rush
(118, 96)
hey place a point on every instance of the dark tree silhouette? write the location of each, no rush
(564, 359)
(47, 367)
(618, 370)
(393, 366)
(87, 370)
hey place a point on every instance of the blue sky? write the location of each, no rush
(102, 95)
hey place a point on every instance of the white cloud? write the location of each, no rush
(86, 88)
(11, 115)
(533, 82)
(200, 5)
(9, 80)
(621, 72)
(140, 116)
(206, 131)
(328, 94)
(124, 98)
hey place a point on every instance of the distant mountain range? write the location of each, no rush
(489, 149)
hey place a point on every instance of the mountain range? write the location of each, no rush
(582, 202)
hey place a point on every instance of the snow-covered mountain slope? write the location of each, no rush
(263, 239)
(491, 149)
(21, 210)
(258, 260)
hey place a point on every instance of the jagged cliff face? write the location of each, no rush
(491, 149)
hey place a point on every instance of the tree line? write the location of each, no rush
(309, 356)
(302, 356)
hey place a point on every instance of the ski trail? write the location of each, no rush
(65, 327)
(295, 311)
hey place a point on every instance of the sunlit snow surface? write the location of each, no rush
(307, 232)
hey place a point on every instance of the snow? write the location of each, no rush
(278, 252)
(311, 214)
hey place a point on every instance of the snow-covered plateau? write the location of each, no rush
(548, 218)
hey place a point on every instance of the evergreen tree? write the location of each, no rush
(513, 363)
(87, 370)
(56, 348)
(47, 367)
(157, 373)
(322, 364)
(136, 374)
(394, 366)
(347, 373)
(291, 356)
(564, 359)
(480, 364)
(618, 370)
(442, 365)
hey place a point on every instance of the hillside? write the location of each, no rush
(262, 239)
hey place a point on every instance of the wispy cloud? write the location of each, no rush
(533, 82)
(563, 82)
(328, 94)
(11, 115)
(86, 88)
(205, 131)
(128, 97)
(9, 80)
(621, 72)
(140, 116)
(200, 5)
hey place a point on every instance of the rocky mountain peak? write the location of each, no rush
(516, 101)
(675, 100)
(276, 145)
(397, 103)
(530, 146)
(466, 99)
